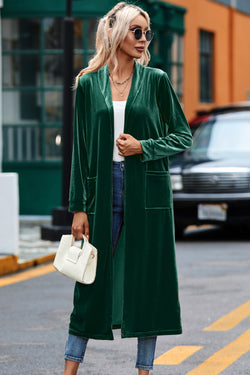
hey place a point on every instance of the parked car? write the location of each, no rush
(211, 181)
(203, 116)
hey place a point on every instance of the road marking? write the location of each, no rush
(231, 320)
(219, 361)
(39, 271)
(176, 355)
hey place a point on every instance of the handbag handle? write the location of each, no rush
(84, 239)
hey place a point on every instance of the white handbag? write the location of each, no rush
(75, 262)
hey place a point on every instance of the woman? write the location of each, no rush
(127, 122)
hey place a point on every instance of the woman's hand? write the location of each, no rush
(80, 225)
(128, 145)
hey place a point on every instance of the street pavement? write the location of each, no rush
(30, 244)
(214, 279)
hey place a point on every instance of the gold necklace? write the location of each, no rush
(114, 83)
(121, 83)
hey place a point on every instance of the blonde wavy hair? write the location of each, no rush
(118, 19)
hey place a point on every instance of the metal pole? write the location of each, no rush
(69, 8)
(67, 134)
(61, 218)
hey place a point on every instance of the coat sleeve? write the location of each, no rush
(179, 137)
(79, 168)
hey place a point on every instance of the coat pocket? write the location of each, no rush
(91, 191)
(158, 190)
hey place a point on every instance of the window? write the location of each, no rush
(166, 51)
(206, 66)
(175, 59)
(33, 84)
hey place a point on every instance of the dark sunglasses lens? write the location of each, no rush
(149, 35)
(138, 34)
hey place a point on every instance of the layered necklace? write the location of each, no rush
(119, 84)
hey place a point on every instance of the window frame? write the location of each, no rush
(206, 90)
(41, 89)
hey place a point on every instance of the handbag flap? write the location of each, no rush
(73, 254)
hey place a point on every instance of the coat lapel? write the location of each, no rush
(104, 84)
(134, 90)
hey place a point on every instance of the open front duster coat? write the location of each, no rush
(137, 288)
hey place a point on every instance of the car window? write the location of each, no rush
(222, 139)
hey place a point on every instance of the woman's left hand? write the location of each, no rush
(128, 145)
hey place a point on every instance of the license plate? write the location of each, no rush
(212, 212)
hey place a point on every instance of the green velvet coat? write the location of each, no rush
(137, 289)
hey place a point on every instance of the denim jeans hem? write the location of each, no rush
(71, 358)
(143, 367)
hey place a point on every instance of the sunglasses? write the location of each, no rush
(138, 34)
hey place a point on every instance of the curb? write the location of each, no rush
(9, 264)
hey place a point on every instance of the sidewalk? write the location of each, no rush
(30, 244)
(32, 250)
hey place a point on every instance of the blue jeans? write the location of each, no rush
(76, 346)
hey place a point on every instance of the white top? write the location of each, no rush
(119, 115)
